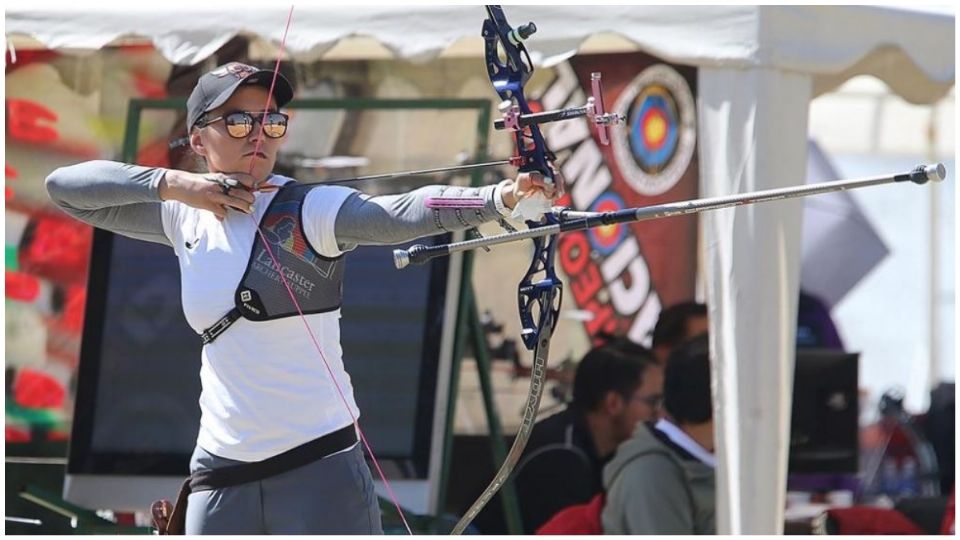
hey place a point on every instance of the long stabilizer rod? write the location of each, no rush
(575, 221)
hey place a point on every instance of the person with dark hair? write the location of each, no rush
(661, 480)
(617, 385)
(677, 324)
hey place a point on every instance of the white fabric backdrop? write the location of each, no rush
(752, 278)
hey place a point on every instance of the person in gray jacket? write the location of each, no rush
(661, 480)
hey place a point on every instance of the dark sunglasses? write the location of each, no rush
(240, 123)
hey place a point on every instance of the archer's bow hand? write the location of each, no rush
(532, 194)
(532, 185)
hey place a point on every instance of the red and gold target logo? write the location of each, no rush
(661, 137)
(604, 240)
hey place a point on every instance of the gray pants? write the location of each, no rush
(331, 496)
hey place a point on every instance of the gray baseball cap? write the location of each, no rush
(215, 88)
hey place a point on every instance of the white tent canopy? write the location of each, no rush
(912, 51)
(759, 68)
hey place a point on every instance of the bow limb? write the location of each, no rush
(547, 299)
(530, 408)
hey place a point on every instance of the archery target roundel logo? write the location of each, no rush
(661, 130)
(607, 238)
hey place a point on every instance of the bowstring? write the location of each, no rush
(286, 284)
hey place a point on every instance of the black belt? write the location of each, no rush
(306, 453)
(235, 475)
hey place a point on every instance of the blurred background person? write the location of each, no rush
(662, 480)
(677, 324)
(617, 386)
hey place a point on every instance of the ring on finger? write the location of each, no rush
(225, 182)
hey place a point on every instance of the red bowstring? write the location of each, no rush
(286, 284)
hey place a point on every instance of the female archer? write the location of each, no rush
(277, 450)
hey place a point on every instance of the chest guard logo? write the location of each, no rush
(282, 229)
(315, 280)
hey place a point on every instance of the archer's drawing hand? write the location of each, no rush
(214, 192)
